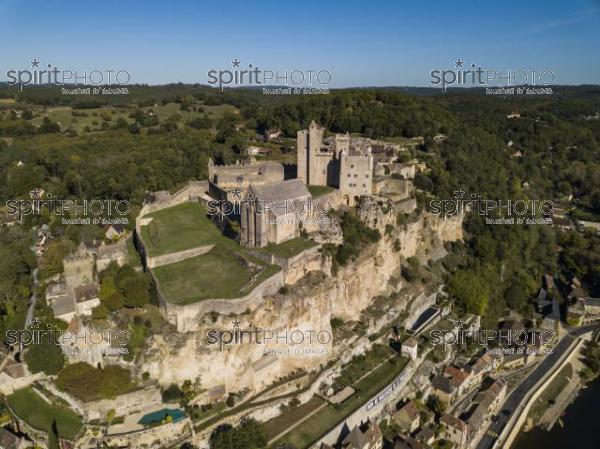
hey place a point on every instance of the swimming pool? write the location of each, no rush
(161, 415)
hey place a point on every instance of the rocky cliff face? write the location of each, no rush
(306, 308)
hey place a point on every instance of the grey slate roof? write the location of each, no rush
(63, 305)
(281, 191)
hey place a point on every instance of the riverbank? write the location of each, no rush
(578, 429)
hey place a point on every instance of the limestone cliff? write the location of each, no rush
(307, 306)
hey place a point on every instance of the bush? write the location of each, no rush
(89, 384)
(100, 312)
(172, 394)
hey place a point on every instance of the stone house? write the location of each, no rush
(365, 436)
(455, 429)
(409, 348)
(408, 417)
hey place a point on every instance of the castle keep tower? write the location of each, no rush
(313, 160)
(341, 161)
(79, 267)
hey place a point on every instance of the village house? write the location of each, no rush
(426, 435)
(15, 376)
(365, 436)
(409, 348)
(450, 383)
(485, 404)
(410, 443)
(455, 429)
(408, 417)
(114, 231)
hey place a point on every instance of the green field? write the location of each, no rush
(29, 406)
(63, 115)
(165, 111)
(289, 248)
(180, 227)
(318, 424)
(79, 119)
(220, 273)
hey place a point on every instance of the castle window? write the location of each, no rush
(78, 270)
(366, 176)
(352, 166)
(349, 175)
(355, 175)
(364, 185)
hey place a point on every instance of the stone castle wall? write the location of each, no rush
(165, 259)
(164, 435)
(122, 405)
(187, 317)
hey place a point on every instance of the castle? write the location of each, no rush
(342, 162)
(346, 164)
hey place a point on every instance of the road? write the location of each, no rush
(32, 300)
(516, 396)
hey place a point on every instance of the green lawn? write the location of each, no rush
(29, 406)
(220, 273)
(278, 424)
(317, 191)
(289, 248)
(133, 256)
(178, 228)
(551, 392)
(317, 425)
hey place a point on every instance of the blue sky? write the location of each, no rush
(362, 43)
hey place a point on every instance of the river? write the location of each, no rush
(580, 429)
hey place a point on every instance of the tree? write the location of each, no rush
(188, 445)
(100, 312)
(172, 393)
(248, 435)
(114, 301)
(45, 357)
(53, 440)
(135, 291)
(470, 291)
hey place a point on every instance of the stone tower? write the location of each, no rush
(311, 163)
(79, 268)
